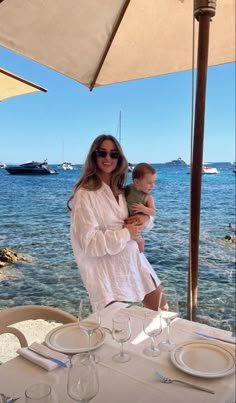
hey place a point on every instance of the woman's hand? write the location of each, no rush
(138, 219)
(134, 230)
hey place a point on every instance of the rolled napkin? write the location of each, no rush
(43, 356)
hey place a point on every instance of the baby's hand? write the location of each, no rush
(137, 208)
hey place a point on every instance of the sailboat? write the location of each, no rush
(65, 165)
(130, 166)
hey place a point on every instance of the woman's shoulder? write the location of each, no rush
(81, 194)
(84, 192)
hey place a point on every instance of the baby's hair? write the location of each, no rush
(142, 169)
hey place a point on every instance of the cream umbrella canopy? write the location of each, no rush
(12, 85)
(100, 42)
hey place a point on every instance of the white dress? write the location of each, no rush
(110, 264)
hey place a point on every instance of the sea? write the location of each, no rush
(35, 223)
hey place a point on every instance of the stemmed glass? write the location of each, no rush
(121, 332)
(152, 327)
(38, 392)
(82, 381)
(169, 307)
(86, 308)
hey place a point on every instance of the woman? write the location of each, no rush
(103, 239)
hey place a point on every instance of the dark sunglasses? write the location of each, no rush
(102, 154)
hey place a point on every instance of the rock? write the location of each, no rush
(230, 238)
(8, 256)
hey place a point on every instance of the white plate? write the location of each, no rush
(204, 358)
(71, 339)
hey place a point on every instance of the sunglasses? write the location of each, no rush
(102, 154)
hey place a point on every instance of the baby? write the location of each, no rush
(138, 197)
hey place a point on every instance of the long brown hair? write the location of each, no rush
(91, 179)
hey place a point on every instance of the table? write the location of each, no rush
(133, 381)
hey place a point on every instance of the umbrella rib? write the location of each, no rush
(123, 10)
(7, 73)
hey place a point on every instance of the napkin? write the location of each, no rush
(42, 361)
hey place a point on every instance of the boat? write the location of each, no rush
(234, 170)
(2, 165)
(130, 167)
(66, 166)
(209, 170)
(179, 161)
(30, 168)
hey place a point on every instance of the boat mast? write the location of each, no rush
(119, 130)
(62, 151)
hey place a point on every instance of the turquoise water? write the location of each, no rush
(35, 222)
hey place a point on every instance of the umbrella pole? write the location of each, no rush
(203, 15)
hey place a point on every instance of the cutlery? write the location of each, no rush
(8, 399)
(58, 362)
(207, 336)
(163, 379)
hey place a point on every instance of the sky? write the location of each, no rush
(61, 124)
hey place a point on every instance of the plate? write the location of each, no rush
(206, 359)
(71, 339)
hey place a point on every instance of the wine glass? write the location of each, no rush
(169, 306)
(121, 332)
(152, 327)
(82, 380)
(86, 308)
(38, 392)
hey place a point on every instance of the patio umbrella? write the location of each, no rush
(12, 85)
(110, 41)
(99, 42)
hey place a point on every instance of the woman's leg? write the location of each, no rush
(152, 299)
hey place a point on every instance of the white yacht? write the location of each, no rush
(66, 166)
(206, 170)
(179, 162)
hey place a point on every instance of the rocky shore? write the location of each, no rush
(8, 256)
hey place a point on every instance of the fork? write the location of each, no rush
(163, 379)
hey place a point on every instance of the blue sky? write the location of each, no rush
(156, 116)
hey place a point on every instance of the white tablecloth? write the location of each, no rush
(133, 381)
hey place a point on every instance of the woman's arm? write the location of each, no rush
(87, 232)
(146, 222)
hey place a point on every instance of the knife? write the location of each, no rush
(207, 336)
(58, 362)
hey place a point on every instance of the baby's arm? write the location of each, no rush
(149, 209)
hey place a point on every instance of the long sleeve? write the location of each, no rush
(96, 224)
